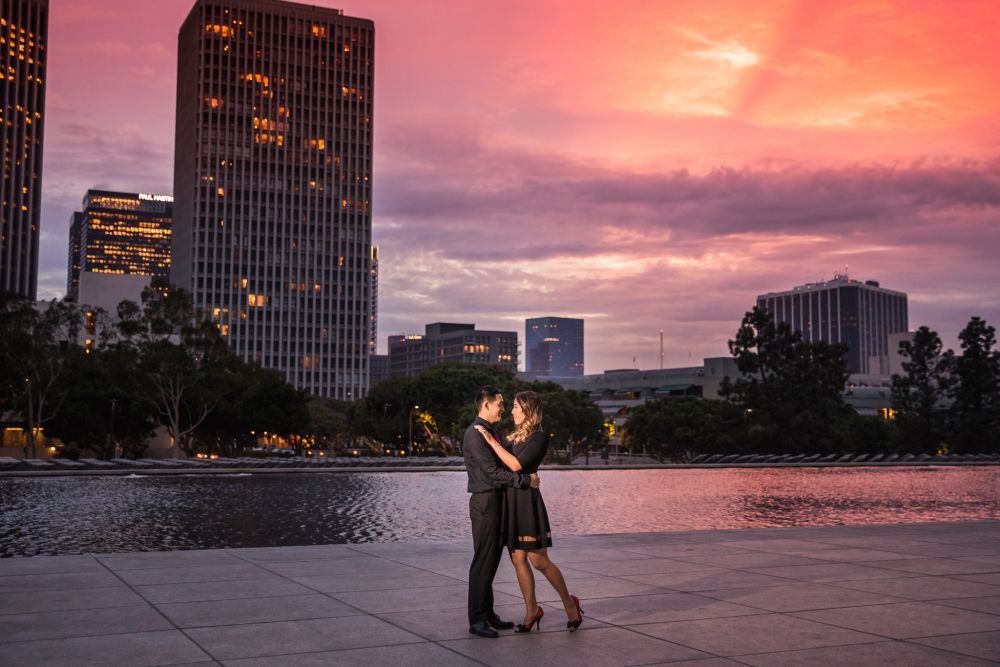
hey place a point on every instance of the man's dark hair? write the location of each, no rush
(487, 393)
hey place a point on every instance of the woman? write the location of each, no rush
(524, 522)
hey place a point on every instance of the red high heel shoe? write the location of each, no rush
(537, 621)
(574, 625)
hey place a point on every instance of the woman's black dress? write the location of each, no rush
(523, 519)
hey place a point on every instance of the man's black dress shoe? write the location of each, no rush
(497, 624)
(483, 629)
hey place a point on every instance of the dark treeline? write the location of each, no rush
(789, 400)
(103, 383)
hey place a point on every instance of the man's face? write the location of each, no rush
(493, 409)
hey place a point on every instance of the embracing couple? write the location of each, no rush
(506, 509)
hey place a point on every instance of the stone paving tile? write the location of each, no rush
(221, 590)
(642, 566)
(904, 620)
(661, 608)
(799, 597)
(58, 582)
(852, 555)
(254, 610)
(781, 545)
(687, 549)
(707, 662)
(385, 656)
(985, 645)
(598, 647)
(81, 623)
(312, 552)
(936, 550)
(161, 559)
(49, 565)
(191, 574)
(360, 565)
(753, 634)
(993, 559)
(935, 566)
(446, 624)
(987, 605)
(343, 583)
(708, 581)
(826, 572)
(89, 598)
(506, 574)
(416, 599)
(144, 649)
(924, 588)
(864, 655)
(585, 589)
(271, 639)
(749, 560)
(992, 579)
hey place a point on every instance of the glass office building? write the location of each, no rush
(554, 346)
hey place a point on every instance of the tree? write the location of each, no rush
(681, 427)
(333, 423)
(790, 389)
(36, 345)
(976, 394)
(917, 395)
(574, 422)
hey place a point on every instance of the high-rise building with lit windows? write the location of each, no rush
(120, 232)
(23, 37)
(451, 341)
(272, 185)
(554, 346)
(859, 314)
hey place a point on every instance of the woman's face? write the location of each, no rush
(517, 413)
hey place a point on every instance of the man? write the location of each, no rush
(487, 477)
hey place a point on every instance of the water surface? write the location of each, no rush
(69, 515)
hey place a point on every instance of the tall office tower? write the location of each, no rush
(554, 346)
(859, 314)
(272, 185)
(373, 331)
(23, 41)
(122, 233)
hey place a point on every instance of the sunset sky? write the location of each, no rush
(643, 165)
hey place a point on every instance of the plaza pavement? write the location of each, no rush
(925, 594)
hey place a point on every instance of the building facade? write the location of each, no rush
(861, 315)
(373, 318)
(272, 185)
(23, 43)
(447, 341)
(554, 346)
(122, 233)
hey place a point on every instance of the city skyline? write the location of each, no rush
(639, 166)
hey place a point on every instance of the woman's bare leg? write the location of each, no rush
(541, 562)
(526, 580)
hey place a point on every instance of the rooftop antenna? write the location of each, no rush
(661, 349)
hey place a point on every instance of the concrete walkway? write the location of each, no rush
(854, 595)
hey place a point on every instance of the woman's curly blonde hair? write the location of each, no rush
(531, 404)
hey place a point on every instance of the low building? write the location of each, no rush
(450, 341)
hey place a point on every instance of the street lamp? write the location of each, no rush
(410, 424)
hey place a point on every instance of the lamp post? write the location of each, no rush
(409, 440)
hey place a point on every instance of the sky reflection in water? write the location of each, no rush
(115, 514)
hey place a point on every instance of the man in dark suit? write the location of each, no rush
(487, 477)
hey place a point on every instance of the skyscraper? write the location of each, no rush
(554, 346)
(123, 233)
(272, 185)
(858, 314)
(373, 318)
(23, 37)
